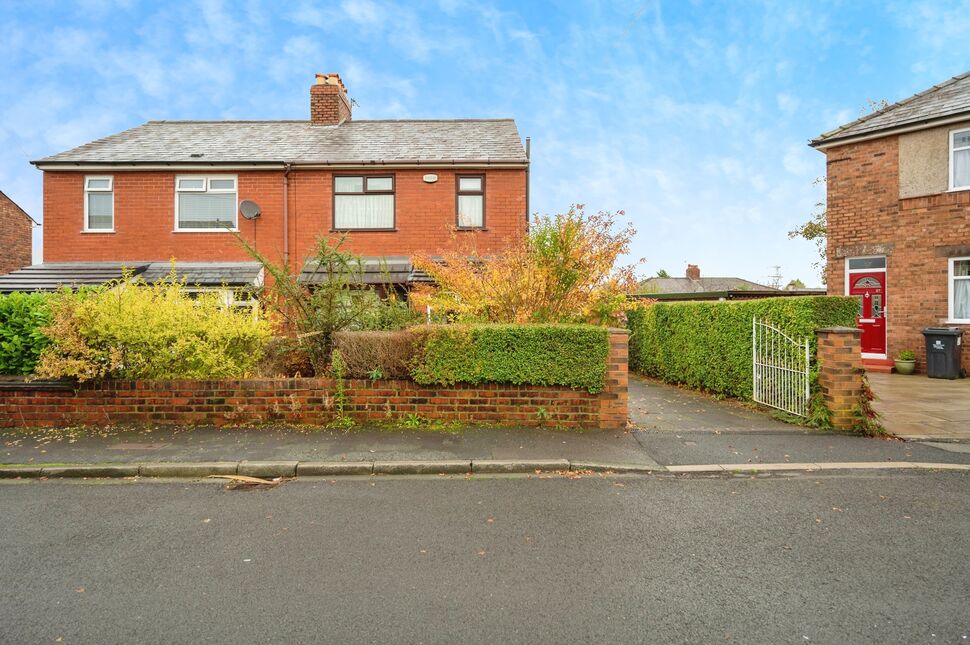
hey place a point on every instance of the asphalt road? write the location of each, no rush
(861, 558)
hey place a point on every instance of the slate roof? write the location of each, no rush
(208, 274)
(354, 142)
(375, 270)
(703, 285)
(948, 99)
(54, 275)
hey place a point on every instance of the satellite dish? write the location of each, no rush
(249, 209)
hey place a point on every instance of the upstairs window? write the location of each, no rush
(205, 203)
(959, 159)
(363, 203)
(471, 201)
(99, 204)
(960, 290)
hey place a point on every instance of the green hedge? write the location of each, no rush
(707, 345)
(22, 315)
(570, 355)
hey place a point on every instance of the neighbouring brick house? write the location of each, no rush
(898, 211)
(16, 228)
(173, 189)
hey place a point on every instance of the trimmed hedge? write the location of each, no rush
(569, 355)
(707, 345)
(22, 316)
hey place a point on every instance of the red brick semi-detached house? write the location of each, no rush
(16, 229)
(174, 189)
(898, 211)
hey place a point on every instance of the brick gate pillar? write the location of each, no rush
(840, 373)
(614, 399)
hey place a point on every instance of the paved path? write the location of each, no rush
(917, 407)
(658, 406)
(299, 444)
(805, 559)
(678, 426)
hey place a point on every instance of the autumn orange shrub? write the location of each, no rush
(565, 270)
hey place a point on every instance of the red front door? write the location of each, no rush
(872, 319)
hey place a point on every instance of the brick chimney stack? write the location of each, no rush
(329, 104)
(693, 272)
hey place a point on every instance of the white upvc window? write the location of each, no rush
(99, 204)
(206, 203)
(471, 201)
(959, 159)
(363, 202)
(959, 290)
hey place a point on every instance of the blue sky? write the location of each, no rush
(690, 116)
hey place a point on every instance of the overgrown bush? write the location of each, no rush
(707, 345)
(152, 331)
(379, 354)
(564, 271)
(22, 316)
(570, 355)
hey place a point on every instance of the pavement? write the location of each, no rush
(670, 427)
(795, 558)
(919, 408)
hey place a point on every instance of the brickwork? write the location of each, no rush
(840, 373)
(329, 104)
(310, 401)
(145, 217)
(15, 236)
(917, 236)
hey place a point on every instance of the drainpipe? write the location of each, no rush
(528, 155)
(286, 215)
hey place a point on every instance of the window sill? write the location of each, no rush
(472, 229)
(206, 230)
(94, 232)
(957, 322)
(962, 189)
(363, 230)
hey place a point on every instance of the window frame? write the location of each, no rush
(87, 190)
(951, 134)
(950, 292)
(364, 191)
(458, 194)
(206, 189)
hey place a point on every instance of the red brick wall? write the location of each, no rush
(15, 234)
(917, 235)
(310, 401)
(145, 218)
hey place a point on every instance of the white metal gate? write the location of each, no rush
(780, 365)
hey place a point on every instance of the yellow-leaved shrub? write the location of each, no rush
(150, 331)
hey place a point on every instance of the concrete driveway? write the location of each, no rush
(917, 407)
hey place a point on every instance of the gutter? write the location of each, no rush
(824, 144)
(279, 165)
(286, 215)
(528, 177)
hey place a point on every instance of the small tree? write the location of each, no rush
(335, 298)
(564, 270)
(815, 231)
(662, 273)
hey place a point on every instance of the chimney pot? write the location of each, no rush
(693, 272)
